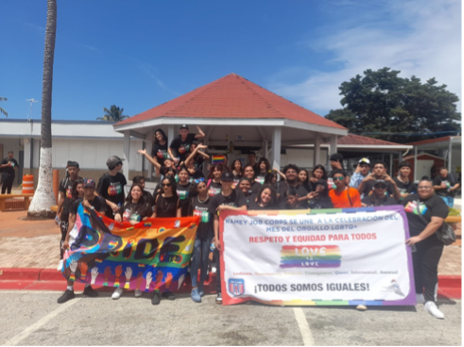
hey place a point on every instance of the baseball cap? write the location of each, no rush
(404, 163)
(184, 126)
(71, 163)
(365, 161)
(380, 183)
(336, 157)
(89, 183)
(227, 176)
(113, 161)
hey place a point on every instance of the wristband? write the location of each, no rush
(116, 283)
(127, 285)
(72, 277)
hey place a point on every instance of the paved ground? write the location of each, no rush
(34, 318)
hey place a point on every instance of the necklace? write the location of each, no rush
(202, 201)
(399, 179)
(166, 204)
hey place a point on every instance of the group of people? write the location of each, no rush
(184, 191)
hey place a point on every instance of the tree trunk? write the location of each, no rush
(43, 197)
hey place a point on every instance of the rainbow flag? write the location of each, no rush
(131, 256)
(218, 159)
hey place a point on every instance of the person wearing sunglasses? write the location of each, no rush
(426, 212)
(343, 196)
(378, 196)
(199, 206)
(183, 189)
(166, 206)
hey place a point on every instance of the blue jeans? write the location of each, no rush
(449, 200)
(200, 254)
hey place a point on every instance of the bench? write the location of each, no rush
(25, 202)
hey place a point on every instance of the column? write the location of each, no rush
(276, 145)
(170, 133)
(126, 151)
(149, 143)
(317, 150)
(415, 163)
(333, 144)
(391, 165)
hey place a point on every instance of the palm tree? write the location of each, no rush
(43, 197)
(114, 114)
(2, 110)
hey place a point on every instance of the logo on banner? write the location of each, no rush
(310, 256)
(236, 286)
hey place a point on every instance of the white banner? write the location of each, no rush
(317, 259)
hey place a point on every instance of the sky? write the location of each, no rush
(139, 54)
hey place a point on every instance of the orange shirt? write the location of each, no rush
(340, 200)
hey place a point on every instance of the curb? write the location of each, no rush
(449, 286)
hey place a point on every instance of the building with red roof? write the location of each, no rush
(235, 111)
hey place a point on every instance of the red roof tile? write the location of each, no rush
(352, 139)
(232, 96)
(423, 142)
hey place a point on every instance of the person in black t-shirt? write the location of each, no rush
(266, 199)
(264, 168)
(289, 200)
(303, 180)
(159, 150)
(214, 180)
(378, 196)
(244, 186)
(249, 173)
(291, 173)
(445, 186)
(198, 157)
(147, 197)
(319, 198)
(7, 168)
(405, 187)
(237, 170)
(183, 190)
(85, 192)
(111, 186)
(136, 208)
(64, 202)
(179, 148)
(199, 206)
(379, 173)
(228, 199)
(193, 168)
(426, 213)
(253, 163)
(319, 173)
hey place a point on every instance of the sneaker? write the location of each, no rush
(116, 294)
(168, 295)
(138, 293)
(420, 298)
(201, 290)
(195, 295)
(60, 265)
(361, 307)
(155, 300)
(219, 298)
(90, 292)
(431, 308)
(67, 295)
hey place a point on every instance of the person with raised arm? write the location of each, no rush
(179, 148)
(379, 173)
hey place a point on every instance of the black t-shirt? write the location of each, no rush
(283, 206)
(387, 200)
(160, 152)
(98, 203)
(148, 198)
(320, 203)
(166, 207)
(214, 188)
(112, 188)
(450, 183)
(300, 191)
(201, 209)
(428, 208)
(131, 212)
(198, 163)
(235, 199)
(9, 170)
(182, 148)
(260, 178)
(197, 174)
(404, 188)
(369, 185)
(65, 188)
(183, 194)
(252, 205)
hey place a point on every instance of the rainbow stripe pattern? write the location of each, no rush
(218, 159)
(310, 256)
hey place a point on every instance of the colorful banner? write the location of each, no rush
(218, 159)
(153, 254)
(326, 257)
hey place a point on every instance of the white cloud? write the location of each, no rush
(416, 37)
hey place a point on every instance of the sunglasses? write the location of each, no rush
(199, 180)
(338, 178)
(166, 185)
